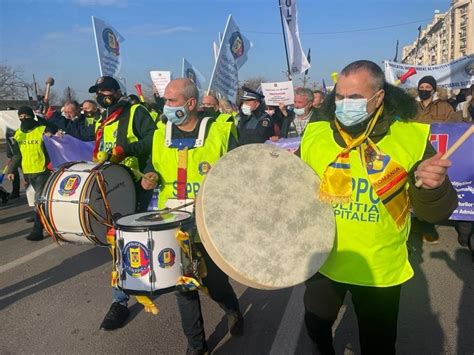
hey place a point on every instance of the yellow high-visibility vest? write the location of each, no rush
(368, 250)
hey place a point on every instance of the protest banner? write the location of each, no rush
(65, 149)
(189, 71)
(8, 119)
(461, 173)
(297, 61)
(232, 55)
(107, 40)
(280, 92)
(160, 79)
(457, 74)
(290, 144)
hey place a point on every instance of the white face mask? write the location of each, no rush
(352, 111)
(298, 111)
(246, 110)
(270, 112)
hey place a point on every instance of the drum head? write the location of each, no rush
(260, 220)
(155, 221)
(121, 196)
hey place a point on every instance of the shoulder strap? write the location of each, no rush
(201, 135)
(168, 131)
(202, 132)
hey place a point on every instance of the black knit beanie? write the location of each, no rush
(25, 110)
(428, 80)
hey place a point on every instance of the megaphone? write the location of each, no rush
(404, 77)
(49, 82)
(138, 87)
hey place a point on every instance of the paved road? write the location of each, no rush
(52, 300)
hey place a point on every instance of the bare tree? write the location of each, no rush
(69, 94)
(53, 98)
(254, 82)
(12, 85)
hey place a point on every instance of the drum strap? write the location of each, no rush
(146, 302)
(100, 131)
(111, 240)
(192, 278)
(183, 145)
(182, 173)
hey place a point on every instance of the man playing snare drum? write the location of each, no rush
(184, 149)
(369, 157)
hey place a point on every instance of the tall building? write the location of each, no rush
(449, 36)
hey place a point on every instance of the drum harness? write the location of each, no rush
(196, 270)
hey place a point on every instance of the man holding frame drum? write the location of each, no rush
(183, 151)
(369, 158)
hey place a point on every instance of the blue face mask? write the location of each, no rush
(352, 111)
(176, 115)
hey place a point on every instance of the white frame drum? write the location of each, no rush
(260, 220)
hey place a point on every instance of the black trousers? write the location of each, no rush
(376, 309)
(143, 198)
(189, 304)
(16, 184)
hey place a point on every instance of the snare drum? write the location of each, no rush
(79, 201)
(149, 259)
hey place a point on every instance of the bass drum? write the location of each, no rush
(80, 201)
(260, 220)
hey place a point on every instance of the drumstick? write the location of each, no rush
(139, 173)
(159, 213)
(453, 148)
(167, 210)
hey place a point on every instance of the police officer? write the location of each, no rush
(29, 153)
(181, 131)
(254, 124)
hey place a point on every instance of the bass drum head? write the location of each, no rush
(260, 220)
(121, 197)
(155, 221)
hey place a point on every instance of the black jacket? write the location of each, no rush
(256, 128)
(143, 128)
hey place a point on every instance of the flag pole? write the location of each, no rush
(395, 59)
(284, 40)
(97, 46)
(218, 55)
(417, 45)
